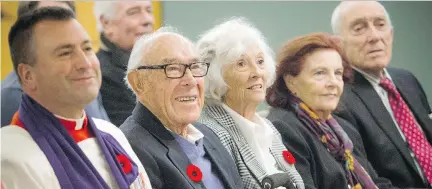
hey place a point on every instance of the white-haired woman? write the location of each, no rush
(241, 68)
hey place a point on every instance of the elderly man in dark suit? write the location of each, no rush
(387, 105)
(167, 78)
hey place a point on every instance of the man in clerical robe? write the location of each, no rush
(51, 142)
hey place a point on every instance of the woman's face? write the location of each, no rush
(247, 77)
(319, 84)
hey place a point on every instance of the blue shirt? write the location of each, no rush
(197, 156)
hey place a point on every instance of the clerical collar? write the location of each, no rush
(72, 124)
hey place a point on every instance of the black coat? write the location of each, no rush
(318, 168)
(388, 153)
(117, 99)
(164, 160)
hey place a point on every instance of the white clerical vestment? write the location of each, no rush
(25, 166)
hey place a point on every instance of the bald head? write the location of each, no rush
(159, 47)
(367, 34)
(338, 19)
(162, 72)
(166, 48)
(160, 42)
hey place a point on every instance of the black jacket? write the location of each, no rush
(164, 160)
(388, 153)
(118, 100)
(318, 168)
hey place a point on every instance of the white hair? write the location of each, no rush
(107, 9)
(225, 43)
(138, 58)
(336, 18)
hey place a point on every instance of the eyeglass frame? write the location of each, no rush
(164, 66)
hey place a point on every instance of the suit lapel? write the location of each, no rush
(224, 119)
(216, 160)
(179, 159)
(372, 101)
(276, 150)
(414, 104)
(146, 119)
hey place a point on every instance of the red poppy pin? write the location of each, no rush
(194, 173)
(125, 163)
(288, 157)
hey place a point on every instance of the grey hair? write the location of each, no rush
(225, 43)
(104, 8)
(337, 16)
(137, 57)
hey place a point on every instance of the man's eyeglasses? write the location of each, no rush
(174, 71)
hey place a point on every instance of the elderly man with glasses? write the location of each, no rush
(167, 78)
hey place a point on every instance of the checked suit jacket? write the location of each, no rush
(251, 171)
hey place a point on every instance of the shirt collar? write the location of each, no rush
(372, 79)
(237, 117)
(242, 121)
(192, 135)
(72, 124)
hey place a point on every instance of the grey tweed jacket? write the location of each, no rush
(251, 171)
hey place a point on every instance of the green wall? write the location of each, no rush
(283, 20)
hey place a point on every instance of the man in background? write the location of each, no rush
(387, 105)
(120, 24)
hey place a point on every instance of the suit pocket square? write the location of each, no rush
(430, 116)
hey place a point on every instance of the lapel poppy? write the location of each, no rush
(125, 163)
(194, 173)
(288, 157)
